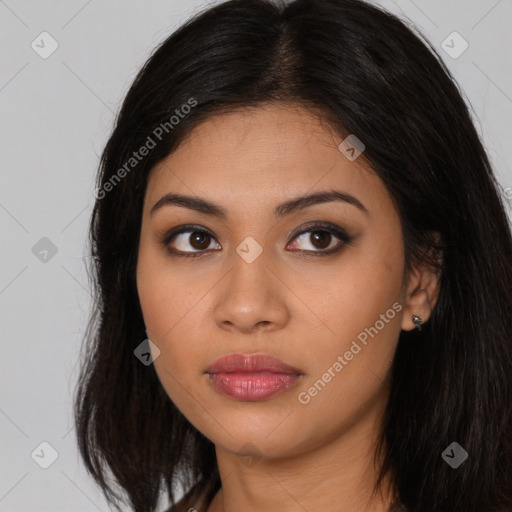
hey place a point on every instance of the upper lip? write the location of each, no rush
(250, 363)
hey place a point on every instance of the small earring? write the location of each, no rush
(418, 321)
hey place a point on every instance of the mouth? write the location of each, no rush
(253, 377)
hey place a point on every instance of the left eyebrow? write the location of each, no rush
(286, 208)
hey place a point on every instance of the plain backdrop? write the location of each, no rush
(57, 111)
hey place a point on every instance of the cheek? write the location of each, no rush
(361, 308)
(171, 318)
(354, 295)
(174, 306)
(172, 322)
(168, 298)
(347, 379)
(164, 310)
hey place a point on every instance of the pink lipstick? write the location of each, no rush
(252, 377)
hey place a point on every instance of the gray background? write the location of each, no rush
(56, 115)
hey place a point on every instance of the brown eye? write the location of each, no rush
(189, 242)
(316, 241)
(200, 240)
(320, 239)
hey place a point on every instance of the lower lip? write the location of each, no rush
(251, 387)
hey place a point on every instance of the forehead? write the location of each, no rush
(263, 156)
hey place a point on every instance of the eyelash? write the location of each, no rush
(332, 229)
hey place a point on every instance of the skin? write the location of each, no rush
(279, 454)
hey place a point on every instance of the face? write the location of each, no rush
(316, 285)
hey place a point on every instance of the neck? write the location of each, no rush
(338, 476)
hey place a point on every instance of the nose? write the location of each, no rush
(251, 297)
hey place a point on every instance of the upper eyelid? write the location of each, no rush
(304, 229)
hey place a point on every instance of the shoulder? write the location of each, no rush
(197, 499)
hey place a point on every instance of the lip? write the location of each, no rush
(251, 363)
(251, 377)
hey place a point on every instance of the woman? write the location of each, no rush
(303, 273)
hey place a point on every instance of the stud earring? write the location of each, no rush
(418, 321)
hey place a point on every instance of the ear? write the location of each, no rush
(422, 291)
